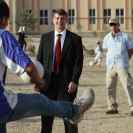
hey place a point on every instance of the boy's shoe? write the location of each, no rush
(85, 102)
(112, 112)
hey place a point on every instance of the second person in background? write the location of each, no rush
(21, 37)
(118, 46)
(61, 54)
(99, 53)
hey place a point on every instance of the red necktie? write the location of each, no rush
(57, 55)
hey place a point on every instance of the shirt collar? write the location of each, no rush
(118, 34)
(63, 33)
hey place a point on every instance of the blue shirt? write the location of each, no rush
(117, 49)
(13, 57)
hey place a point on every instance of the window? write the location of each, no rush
(120, 15)
(71, 15)
(92, 19)
(43, 17)
(107, 15)
(29, 11)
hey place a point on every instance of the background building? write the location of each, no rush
(84, 15)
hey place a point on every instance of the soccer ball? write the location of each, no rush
(91, 63)
(25, 77)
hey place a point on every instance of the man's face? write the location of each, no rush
(59, 22)
(114, 28)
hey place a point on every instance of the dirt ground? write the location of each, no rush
(95, 120)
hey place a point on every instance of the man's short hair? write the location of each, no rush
(4, 9)
(61, 12)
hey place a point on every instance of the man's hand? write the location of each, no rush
(35, 77)
(40, 85)
(72, 87)
(130, 53)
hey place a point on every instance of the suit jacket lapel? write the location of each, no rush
(51, 43)
(66, 43)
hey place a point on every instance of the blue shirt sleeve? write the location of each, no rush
(13, 52)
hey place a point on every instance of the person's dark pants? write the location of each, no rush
(47, 121)
(21, 45)
(70, 128)
(2, 128)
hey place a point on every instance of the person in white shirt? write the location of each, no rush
(99, 53)
(118, 46)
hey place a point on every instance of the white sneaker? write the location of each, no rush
(85, 103)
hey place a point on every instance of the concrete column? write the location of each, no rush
(77, 15)
(14, 3)
(102, 8)
(130, 15)
(50, 14)
(97, 13)
(67, 26)
(88, 7)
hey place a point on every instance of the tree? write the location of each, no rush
(79, 27)
(26, 18)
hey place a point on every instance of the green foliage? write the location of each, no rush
(94, 33)
(132, 28)
(79, 27)
(27, 19)
(91, 52)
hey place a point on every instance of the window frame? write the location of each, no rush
(43, 17)
(92, 16)
(107, 15)
(71, 16)
(120, 15)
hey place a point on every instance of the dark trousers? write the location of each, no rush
(2, 128)
(47, 123)
(55, 94)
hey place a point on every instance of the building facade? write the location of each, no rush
(84, 15)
